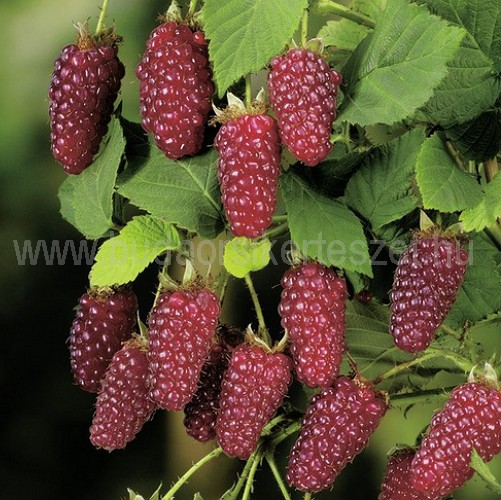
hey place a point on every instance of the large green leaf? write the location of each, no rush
(122, 258)
(443, 185)
(484, 472)
(471, 84)
(395, 69)
(487, 212)
(245, 34)
(382, 189)
(184, 192)
(323, 228)
(87, 199)
(480, 294)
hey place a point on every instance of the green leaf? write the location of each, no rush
(122, 258)
(471, 85)
(87, 199)
(323, 228)
(442, 184)
(487, 211)
(382, 191)
(480, 294)
(344, 33)
(242, 256)
(395, 69)
(480, 138)
(477, 463)
(133, 495)
(245, 34)
(184, 192)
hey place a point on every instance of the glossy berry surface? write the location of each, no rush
(470, 419)
(104, 320)
(253, 389)
(123, 404)
(83, 89)
(427, 280)
(397, 482)
(248, 171)
(181, 327)
(336, 427)
(176, 88)
(312, 308)
(303, 91)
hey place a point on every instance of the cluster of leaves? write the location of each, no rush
(418, 128)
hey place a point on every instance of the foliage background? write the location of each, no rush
(44, 447)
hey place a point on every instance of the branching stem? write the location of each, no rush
(263, 331)
(329, 6)
(270, 458)
(252, 472)
(418, 397)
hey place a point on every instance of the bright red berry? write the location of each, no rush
(83, 89)
(181, 327)
(201, 411)
(336, 427)
(104, 320)
(312, 308)
(470, 419)
(427, 280)
(248, 170)
(397, 482)
(303, 91)
(176, 88)
(123, 404)
(253, 389)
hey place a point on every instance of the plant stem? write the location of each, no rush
(329, 6)
(491, 169)
(221, 284)
(252, 473)
(102, 15)
(192, 8)
(213, 454)
(307, 496)
(402, 367)
(270, 458)
(278, 230)
(284, 433)
(263, 331)
(280, 218)
(160, 274)
(418, 397)
(304, 28)
(450, 331)
(248, 90)
(235, 490)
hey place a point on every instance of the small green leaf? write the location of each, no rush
(323, 228)
(87, 199)
(245, 34)
(382, 190)
(395, 69)
(487, 211)
(122, 258)
(482, 469)
(442, 184)
(184, 192)
(480, 294)
(242, 256)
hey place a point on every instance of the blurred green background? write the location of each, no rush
(44, 448)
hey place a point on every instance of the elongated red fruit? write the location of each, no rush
(336, 427)
(105, 319)
(312, 308)
(83, 89)
(248, 171)
(123, 404)
(471, 419)
(176, 88)
(253, 389)
(427, 280)
(303, 93)
(181, 327)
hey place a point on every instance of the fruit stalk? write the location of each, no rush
(304, 28)
(328, 6)
(102, 15)
(270, 458)
(263, 331)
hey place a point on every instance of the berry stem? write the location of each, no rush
(213, 454)
(160, 286)
(270, 458)
(248, 90)
(192, 8)
(102, 15)
(307, 496)
(221, 285)
(284, 433)
(233, 493)
(450, 331)
(427, 396)
(263, 331)
(304, 28)
(280, 218)
(329, 6)
(278, 230)
(252, 472)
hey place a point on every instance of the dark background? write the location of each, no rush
(44, 448)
